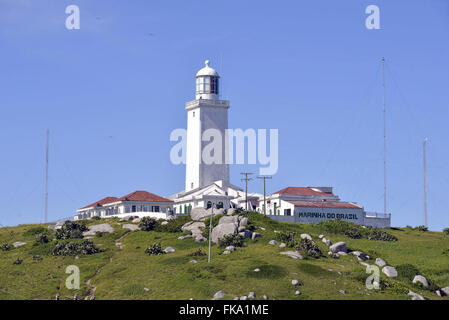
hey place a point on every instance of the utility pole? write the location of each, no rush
(384, 136)
(246, 179)
(264, 194)
(425, 181)
(210, 230)
(46, 177)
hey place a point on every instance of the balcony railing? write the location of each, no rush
(377, 215)
(207, 102)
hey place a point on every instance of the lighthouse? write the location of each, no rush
(206, 115)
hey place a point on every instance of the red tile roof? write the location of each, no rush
(102, 202)
(304, 191)
(143, 196)
(325, 204)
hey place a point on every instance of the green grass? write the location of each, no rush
(123, 274)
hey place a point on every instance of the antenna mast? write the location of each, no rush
(425, 181)
(384, 136)
(46, 177)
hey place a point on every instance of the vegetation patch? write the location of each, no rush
(154, 250)
(446, 231)
(132, 289)
(147, 224)
(355, 231)
(235, 240)
(5, 247)
(314, 270)
(71, 230)
(35, 231)
(267, 271)
(67, 248)
(308, 248)
(42, 238)
(407, 271)
(197, 253)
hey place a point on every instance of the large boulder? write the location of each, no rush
(199, 214)
(194, 227)
(244, 221)
(229, 219)
(415, 296)
(380, 262)
(18, 244)
(420, 279)
(104, 227)
(222, 230)
(390, 272)
(131, 227)
(445, 290)
(306, 236)
(337, 247)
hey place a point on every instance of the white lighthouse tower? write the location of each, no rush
(206, 112)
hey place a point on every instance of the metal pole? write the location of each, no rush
(210, 230)
(425, 182)
(246, 187)
(46, 177)
(264, 194)
(384, 136)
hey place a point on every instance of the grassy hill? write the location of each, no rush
(122, 269)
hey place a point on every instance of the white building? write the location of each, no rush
(137, 203)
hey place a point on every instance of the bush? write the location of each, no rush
(96, 218)
(5, 247)
(355, 231)
(446, 231)
(289, 238)
(407, 271)
(147, 224)
(308, 248)
(18, 261)
(42, 238)
(71, 230)
(421, 228)
(197, 253)
(380, 235)
(173, 225)
(67, 248)
(154, 250)
(235, 240)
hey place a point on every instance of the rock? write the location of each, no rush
(246, 234)
(131, 227)
(256, 235)
(218, 295)
(243, 298)
(296, 282)
(321, 236)
(200, 238)
(136, 220)
(194, 227)
(342, 291)
(193, 261)
(231, 211)
(445, 290)
(241, 229)
(229, 219)
(169, 249)
(364, 264)
(104, 227)
(257, 270)
(230, 248)
(18, 244)
(265, 297)
(273, 242)
(226, 252)
(282, 245)
(342, 253)
(327, 242)
(222, 230)
(163, 223)
(51, 227)
(185, 237)
(236, 298)
(422, 280)
(297, 292)
(199, 214)
(339, 246)
(415, 296)
(146, 289)
(439, 293)
(293, 254)
(244, 221)
(390, 272)
(380, 262)
(306, 236)
(252, 295)
(262, 228)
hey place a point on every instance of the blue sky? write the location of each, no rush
(112, 92)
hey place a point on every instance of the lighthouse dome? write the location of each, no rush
(207, 71)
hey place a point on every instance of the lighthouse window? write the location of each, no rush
(207, 84)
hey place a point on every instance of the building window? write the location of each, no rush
(193, 113)
(209, 204)
(207, 84)
(155, 209)
(287, 212)
(191, 185)
(220, 205)
(133, 209)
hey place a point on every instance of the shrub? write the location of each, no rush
(71, 230)
(173, 225)
(5, 247)
(446, 231)
(235, 240)
(289, 238)
(355, 231)
(421, 228)
(147, 224)
(308, 248)
(67, 248)
(18, 261)
(96, 218)
(407, 271)
(380, 235)
(197, 253)
(154, 250)
(42, 238)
